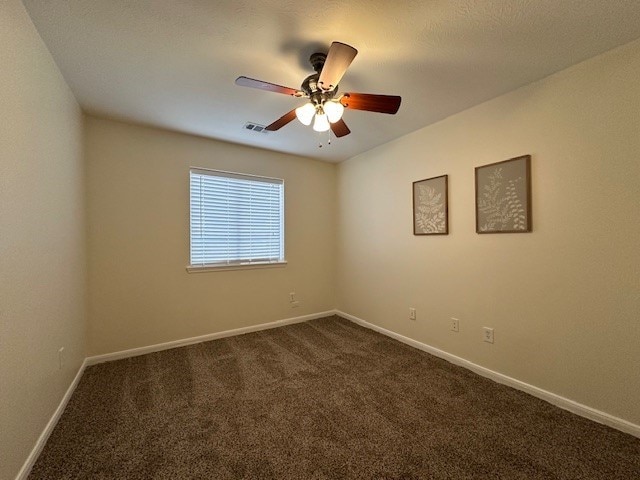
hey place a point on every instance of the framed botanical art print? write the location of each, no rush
(430, 206)
(503, 196)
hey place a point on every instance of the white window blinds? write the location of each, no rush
(236, 219)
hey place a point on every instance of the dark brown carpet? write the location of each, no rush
(325, 399)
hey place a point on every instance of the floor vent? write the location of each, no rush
(255, 127)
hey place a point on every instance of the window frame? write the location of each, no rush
(281, 262)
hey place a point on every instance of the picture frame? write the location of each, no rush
(503, 196)
(431, 206)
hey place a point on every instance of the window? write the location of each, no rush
(236, 219)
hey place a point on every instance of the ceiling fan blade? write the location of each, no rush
(282, 121)
(340, 128)
(372, 103)
(338, 60)
(270, 87)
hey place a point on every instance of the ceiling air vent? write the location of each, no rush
(254, 127)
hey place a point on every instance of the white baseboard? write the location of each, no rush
(557, 400)
(134, 352)
(562, 402)
(44, 436)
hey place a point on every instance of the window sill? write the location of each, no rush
(240, 266)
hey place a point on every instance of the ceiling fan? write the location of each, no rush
(325, 106)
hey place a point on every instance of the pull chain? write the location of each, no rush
(320, 138)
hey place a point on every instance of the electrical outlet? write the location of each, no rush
(487, 334)
(412, 313)
(292, 296)
(60, 358)
(295, 304)
(455, 325)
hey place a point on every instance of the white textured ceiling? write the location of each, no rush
(172, 63)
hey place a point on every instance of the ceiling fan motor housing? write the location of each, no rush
(310, 84)
(312, 90)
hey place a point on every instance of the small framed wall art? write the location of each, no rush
(430, 206)
(503, 196)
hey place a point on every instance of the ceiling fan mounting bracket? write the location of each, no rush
(317, 61)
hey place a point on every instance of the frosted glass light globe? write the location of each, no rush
(305, 113)
(334, 111)
(321, 124)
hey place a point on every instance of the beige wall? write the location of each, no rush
(42, 261)
(565, 299)
(138, 196)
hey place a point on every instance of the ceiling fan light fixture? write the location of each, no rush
(321, 123)
(324, 107)
(305, 113)
(334, 110)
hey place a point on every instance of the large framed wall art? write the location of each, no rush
(503, 196)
